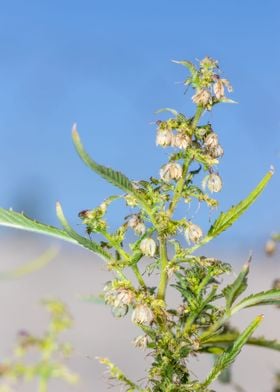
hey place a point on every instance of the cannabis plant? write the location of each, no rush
(159, 237)
(49, 351)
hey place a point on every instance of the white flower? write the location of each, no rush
(217, 152)
(211, 141)
(214, 183)
(142, 314)
(171, 171)
(123, 297)
(219, 89)
(181, 141)
(141, 341)
(193, 233)
(148, 247)
(202, 97)
(164, 137)
(136, 224)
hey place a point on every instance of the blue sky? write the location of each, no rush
(107, 66)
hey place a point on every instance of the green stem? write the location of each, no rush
(43, 385)
(163, 273)
(138, 275)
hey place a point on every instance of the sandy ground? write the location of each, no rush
(74, 273)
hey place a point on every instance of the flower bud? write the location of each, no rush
(211, 141)
(148, 247)
(123, 297)
(164, 138)
(136, 224)
(171, 171)
(181, 141)
(219, 89)
(141, 342)
(270, 247)
(142, 314)
(193, 233)
(214, 183)
(217, 152)
(202, 97)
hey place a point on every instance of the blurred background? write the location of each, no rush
(107, 66)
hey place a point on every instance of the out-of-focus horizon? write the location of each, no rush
(107, 66)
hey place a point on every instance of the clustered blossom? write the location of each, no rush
(181, 141)
(142, 314)
(164, 137)
(171, 171)
(202, 97)
(141, 342)
(214, 183)
(136, 224)
(148, 247)
(193, 233)
(212, 146)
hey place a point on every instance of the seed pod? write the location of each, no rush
(181, 141)
(142, 314)
(148, 247)
(164, 138)
(171, 171)
(211, 141)
(202, 97)
(270, 247)
(193, 233)
(214, 183)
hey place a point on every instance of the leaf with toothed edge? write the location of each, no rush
(226, 219)
(17, 220)
(270, 297)
(114, 177)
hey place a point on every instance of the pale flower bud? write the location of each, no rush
(148, 247)
(214, 183)
(123, 297)
(202, 97)
(133, 221)
(181, 141)
(211, 141)
(142, 314)
(217, 152)
(193, 233)
(141, 342)
(219, 89)
(171, 171)
(164, 138)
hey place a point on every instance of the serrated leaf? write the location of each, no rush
(226, 219)
(86, 243)
(20, 221)
(235, 289)
(188, 64)
(270, 297)
(228, 357)
(114, 177)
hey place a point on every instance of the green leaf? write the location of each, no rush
(234, 290)
(188, 64)
(86, 243)
(20, 221)
(173, 111)
(270, 297)
(114, 177)
(228, 357)
(229, 338)
(226, 219)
